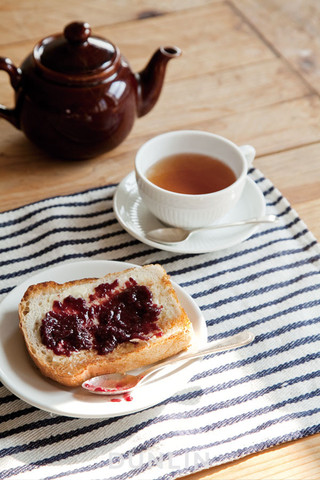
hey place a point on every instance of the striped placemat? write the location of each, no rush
(236, 404)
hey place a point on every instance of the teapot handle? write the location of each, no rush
(14, 73)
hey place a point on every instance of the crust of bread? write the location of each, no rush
(81, 365)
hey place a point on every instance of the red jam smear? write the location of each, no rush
(109, 318)
(126, 397)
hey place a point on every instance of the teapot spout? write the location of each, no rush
(150, 80)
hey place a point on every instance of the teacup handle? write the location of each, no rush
(249, 153)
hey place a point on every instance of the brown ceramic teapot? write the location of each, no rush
(76, 96)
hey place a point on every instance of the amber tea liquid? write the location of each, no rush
(191, 173)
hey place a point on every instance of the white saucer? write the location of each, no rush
(19, 374)
(136, 219)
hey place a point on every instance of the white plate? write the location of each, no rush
(19, 375)
(136, 219)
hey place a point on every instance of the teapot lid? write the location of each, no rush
(75, 56)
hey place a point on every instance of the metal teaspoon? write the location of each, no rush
(176, 235)
(117, 383)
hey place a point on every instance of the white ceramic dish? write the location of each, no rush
(22, 378)
(136, 219)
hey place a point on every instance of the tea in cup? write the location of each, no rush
(190, 178)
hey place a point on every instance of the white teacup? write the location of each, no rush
(191, 210)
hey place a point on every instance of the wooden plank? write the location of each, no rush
(274, 128)
(291, 28)
(302, 461)
(213, 96)
(247, 100)
(296, 172)
(267, 129)
(26, 19)
(309, 212)
(231, 43)
(216, 39)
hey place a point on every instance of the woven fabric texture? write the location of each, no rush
(236, 404)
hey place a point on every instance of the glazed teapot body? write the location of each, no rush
(73, 122)
(76, 95)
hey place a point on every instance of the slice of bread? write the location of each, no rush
(166, 331)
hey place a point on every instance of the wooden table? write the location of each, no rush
(250, 71)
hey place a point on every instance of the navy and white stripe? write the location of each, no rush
(236, 404)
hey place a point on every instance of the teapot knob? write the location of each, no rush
(77, 32)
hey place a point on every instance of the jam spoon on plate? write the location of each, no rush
(118, 383)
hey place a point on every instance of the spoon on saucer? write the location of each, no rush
(117, 383)
(176, 235)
